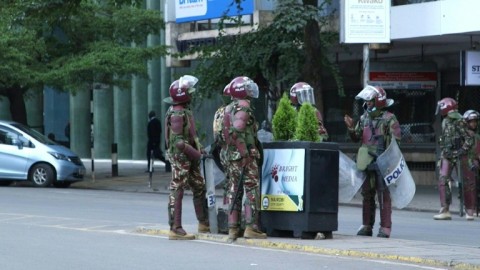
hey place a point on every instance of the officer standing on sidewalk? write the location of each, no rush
(470, 165)
(243, 156)
(184, 152)
(375, 129)
(455, 142)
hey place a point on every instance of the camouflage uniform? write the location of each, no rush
(297, 100)
(184, 152)
(368, 129)
(243, 156)
(248, 164)
(470, 175)
(219, 143)
(455, 142)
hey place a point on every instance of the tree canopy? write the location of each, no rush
(69, 45)
(289, 49)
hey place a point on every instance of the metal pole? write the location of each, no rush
(366, 65)
(92, 149)
(114, 160)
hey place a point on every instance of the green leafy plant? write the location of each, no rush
(284, 120)
(307, 124)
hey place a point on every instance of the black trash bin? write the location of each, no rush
(299, 189)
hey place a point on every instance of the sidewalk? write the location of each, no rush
(133, 178)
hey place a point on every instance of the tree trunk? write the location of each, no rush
(17, 104)
(312, 68)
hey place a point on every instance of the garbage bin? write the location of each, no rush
(299, 189)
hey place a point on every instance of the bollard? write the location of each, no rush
(114, 160)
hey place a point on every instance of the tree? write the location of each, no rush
(307, 124)
(284, 120)
(290, 49)
(70, 45)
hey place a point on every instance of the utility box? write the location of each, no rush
(299, 189)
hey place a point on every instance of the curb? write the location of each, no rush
(317, 250)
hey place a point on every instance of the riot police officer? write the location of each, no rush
(243, 155)
(375, 129)
(470, 165)
(302, 92)
(184, 152)
(455, 142)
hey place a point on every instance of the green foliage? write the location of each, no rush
(71, 44)
(307, 124)
(284, 120)
(273, 55)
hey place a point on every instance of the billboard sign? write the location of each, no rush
(365, 21)
(283, 177)
(198, 10)
(415, 76)
(470, 68)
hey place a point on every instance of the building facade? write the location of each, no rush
(421, 65)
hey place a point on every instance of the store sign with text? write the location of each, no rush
(417, 76)
(283, 178)
(198, 10)
(470, 68)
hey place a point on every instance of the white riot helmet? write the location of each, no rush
(471, 115)
(303, 92)
(377, 94)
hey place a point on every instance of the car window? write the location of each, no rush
(35, 134)
(11, 137)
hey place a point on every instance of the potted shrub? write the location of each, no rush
(299, 185)
(307, 124)
(284, 120)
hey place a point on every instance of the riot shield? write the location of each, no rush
(350, 179)
(396, 175)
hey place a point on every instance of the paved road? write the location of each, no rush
(453, 256)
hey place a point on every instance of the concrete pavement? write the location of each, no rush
(133, 178)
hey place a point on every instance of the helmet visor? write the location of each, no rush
(188, 82)
(252, 89)
(305, 94)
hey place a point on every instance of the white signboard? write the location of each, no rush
(365, 21)
(283, 178)
(472, 68)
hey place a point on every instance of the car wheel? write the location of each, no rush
(41, 175)
(5, 183)
(62, 184)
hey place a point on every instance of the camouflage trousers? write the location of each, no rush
(468, 183)
(250, 188)
(186, 175)
(370, 188)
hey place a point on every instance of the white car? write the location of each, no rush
(27, 155)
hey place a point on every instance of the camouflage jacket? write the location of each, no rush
(372, 130)
(218, 126)
(246, 137)
(474, 152)
(455, 136)
(188, 133)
